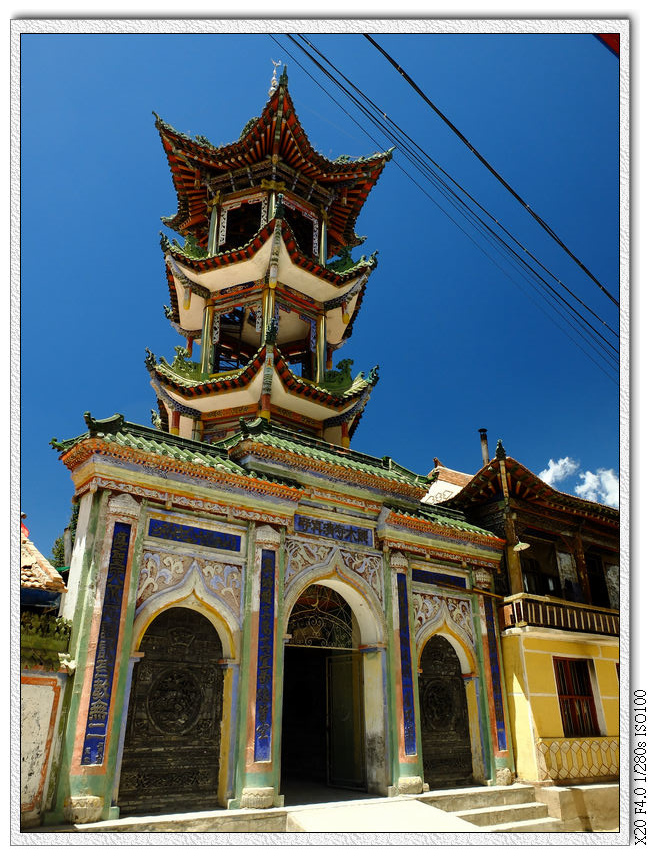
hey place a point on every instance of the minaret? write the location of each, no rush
(264, 285)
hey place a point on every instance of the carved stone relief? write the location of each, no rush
(428, 608)
(162, 571)
(301, 556)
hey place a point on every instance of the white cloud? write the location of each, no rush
(558, 471)
(599, 486)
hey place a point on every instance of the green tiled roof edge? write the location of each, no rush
(156, 441)
(297, 443)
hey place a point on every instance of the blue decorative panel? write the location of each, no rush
(496, 675)
(439, 579)
(109, 629)
(407, 669)
(336, 531)
(194, 535)
(264, 690)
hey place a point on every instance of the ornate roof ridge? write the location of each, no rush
(201, 143)
(263, 429)
(453, 517)
(258, 240)
(488, 470)
(127, 434)
(163, 370)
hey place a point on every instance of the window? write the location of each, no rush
(597, 581)
(304, 227)
(576, 697)
(239, 223)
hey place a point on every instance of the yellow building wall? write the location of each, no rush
(534, 706)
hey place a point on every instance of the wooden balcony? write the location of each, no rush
(518, 611)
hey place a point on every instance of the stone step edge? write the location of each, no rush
(468, 813)
(523, 794)
(543, 824)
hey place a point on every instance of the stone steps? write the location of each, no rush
(494, 815)
(543, 824)
(496, 809)
(479, 797)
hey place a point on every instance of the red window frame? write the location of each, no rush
(577, 707)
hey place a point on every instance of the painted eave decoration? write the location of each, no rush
(251, 262)
(282, 446)
(141, 446)
(192, 392)
(526, 485)
(276, 136)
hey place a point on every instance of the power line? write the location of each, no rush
(400, 132)
(493, 171)
(427, 171)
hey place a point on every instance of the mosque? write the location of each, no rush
(255, 605)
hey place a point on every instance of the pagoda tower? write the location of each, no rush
(264, 284)
(253, 603)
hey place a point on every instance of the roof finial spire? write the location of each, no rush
(274, 80)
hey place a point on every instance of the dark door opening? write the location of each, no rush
(323, 731)
(171, 747)
(322, 720)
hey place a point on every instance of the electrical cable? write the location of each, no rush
(424, 169)
(493, 171)
(401, 132)
(382, 126)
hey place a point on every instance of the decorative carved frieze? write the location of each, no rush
(266, 536)
(304, 555)
(162, 571)
(428, 608)
(482, 578)
(83, 809)
(398, 562)
(257, 797)
(124, 504)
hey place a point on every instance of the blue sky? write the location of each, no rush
(461, 342)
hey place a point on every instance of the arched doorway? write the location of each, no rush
(172, 739)
(444, 723)
(323, 730)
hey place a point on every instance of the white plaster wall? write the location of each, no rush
(81, 542)
(39, 718)
(440, 491)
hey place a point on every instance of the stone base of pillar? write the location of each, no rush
(503, 777)
(257, 797)
(410, 785)
(83, 809)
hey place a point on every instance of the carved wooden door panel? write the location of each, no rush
(171, 747)
(446, 748)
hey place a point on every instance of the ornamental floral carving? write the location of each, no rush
(369, 568)
(457, 612)
(302, 556)
(160, 572)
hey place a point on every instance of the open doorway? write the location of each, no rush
(323, 729)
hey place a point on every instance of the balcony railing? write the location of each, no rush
(517, 611)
